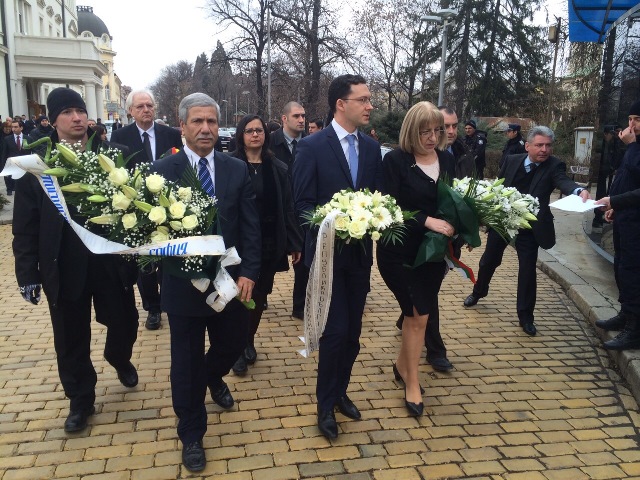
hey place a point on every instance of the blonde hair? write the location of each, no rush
(421, 115)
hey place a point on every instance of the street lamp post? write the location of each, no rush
(268, 60)
(444, 17)
(226, 112)
(247, 92)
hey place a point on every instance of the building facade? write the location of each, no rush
(41, 48)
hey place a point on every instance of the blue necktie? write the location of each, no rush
(205, 177)
(353, 158)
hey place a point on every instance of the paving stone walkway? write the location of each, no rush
(549, 407)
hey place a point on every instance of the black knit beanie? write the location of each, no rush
(62, 98)
(635, 109)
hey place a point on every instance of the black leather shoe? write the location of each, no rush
(240, 367)
(614, 323)
(222, 396)
(299, 314)
(529, 328)
(153, 321)
(327, 424)
(193, 457)
(9, 193)
(347, 408)
(627, 339)
(250, 354)
(77, 419)
(414, 409)
(128, 376)
(471, 300)
(441, 364)
(399, 378)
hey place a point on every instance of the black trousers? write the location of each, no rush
(149, 292)
(626, 263)
(71, 320)
(527, 250)
(192, 370)
(340, 341)
(300, 280)
(10, 183)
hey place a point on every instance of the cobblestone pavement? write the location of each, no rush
(515, 407)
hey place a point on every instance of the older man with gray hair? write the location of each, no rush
(147, 141)
(537, 173)
(192, 371)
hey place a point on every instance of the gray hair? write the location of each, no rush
(196, 100)
(129, 101)
(540, 130)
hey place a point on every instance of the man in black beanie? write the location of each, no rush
(623, 208)
(48, 253)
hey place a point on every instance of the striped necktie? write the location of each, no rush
(205, 177)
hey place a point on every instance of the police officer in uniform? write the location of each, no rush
(515, 144)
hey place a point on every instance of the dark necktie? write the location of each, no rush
(205, 177)
(353, 158)
(147, 146)
(294, 143)
(18, 143)
(532, 167)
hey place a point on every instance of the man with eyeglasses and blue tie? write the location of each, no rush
(336, 158)
(537, 173)
(192, 371)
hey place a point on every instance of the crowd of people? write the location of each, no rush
(265, 186)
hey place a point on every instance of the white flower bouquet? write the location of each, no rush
(504, 209)
(132, 207)
(362, 214)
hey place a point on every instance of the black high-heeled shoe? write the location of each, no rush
(414, 409)
(399, 378)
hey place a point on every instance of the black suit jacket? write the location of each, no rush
(165, 137)
(415, 191)
(237, 220)
(10, 149)
(548, 176)
(278, 145)
(321, 169)
(47, 251)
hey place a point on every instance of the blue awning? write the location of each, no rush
(589, 20)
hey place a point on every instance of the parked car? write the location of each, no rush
(225, 134)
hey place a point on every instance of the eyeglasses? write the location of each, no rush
(142, 106)
(363, 100)
(251, 131)
(428, 133)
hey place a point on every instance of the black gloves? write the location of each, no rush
(31, 293)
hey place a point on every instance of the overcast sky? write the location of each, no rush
(149, 35)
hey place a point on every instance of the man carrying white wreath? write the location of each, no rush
(48, 253)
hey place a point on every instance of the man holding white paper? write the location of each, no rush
(537, 173)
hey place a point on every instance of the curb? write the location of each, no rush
(593, 306)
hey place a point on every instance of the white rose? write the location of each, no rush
(154, 183)
(185, 194)
(120, 201)
(375, 235)
(190, 222)
(159, 236)
(342, 223)
(119, 176)
(176, 225)
(177, 210)
(158, 215)
(129, 220)
(357, 229)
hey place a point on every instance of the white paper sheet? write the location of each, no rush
(574, 203)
